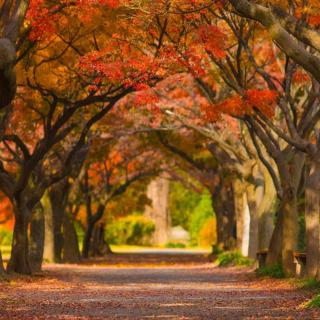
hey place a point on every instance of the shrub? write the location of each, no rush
(233, 258)
(275, 271)
(175, 245)
(132, 229)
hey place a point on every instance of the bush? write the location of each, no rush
(133, 229)
(275, 271)
(175, 245)
(233, 258)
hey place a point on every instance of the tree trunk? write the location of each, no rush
(312, 218)
(71, 252)
(99, 247)
(223, 206)
(254, 199)
(290, 231)
(242, 216)
(2, 271)
(87, 239)
(19, 260)
(290, 167)
(58, 205)
(36, 244)
(48, 254)
(158, 193)
(266, 211)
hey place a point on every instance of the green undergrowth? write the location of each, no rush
(175, 245)
(314, 302)
(309, 284)
(233, 258)
(275, 271)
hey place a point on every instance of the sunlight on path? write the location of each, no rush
(179, 289)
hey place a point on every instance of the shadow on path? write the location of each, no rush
(147, 287)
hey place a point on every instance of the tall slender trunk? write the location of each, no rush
(19, 260)
(71, 252)
(254, 199)
(242, 216)
(312, 218)
(58, 205)
(2, 271)
(87, 239)
(290, 231)
(36, 243)
(266, 211)
(223, 206)
(48, 254)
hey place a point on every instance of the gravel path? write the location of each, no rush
(146, 287)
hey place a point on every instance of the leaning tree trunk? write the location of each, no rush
(71, 252)
(19, 260)
(312, 218)
(36, 243)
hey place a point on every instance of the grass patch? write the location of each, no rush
(275, 271)
(233, 258)
(309, 284)
(175, 245)
(314, 303)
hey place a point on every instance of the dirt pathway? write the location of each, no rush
(132, 287)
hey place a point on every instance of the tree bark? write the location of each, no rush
(71, 252)
(312, 219)
(19, 260)
(49, 252)
(243, 217)
(266, 211)
(290, 231)
(36, 244)
(87, 239)
(58, 195)
(99, 247)
(223, 206)
(2, 270)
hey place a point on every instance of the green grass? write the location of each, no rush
(175, 245)
(275, 271)
(310, 284)
(314, 302)
(233, 258)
